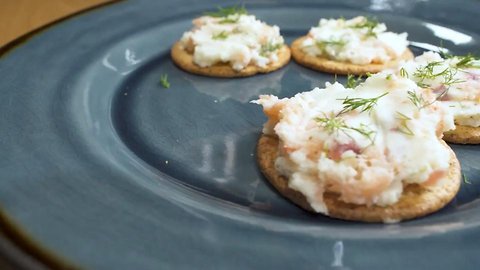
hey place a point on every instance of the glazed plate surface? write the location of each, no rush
(108, 169)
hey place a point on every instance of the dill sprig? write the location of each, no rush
(468, 61)
(444, 53)
(226, 13)
(269, 48)
(335, 124)
(353, 81)
(322, 45)
(428, 73)
(465, 179)
(164, 81)
(331, 124)
(418, 100)
(369, 23)
(220, 36)
(366, 131)
(365, 104)
(403, 128)
(229, 20)
(464, 61)
(403, 73)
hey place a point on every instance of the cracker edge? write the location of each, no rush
(463, 135)
(340, 68)
(184, 60)
(426, 200)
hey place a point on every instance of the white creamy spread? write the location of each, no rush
(359, 40)
(458, 87)
(238, 39)
(366, 157)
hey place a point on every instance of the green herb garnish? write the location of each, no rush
(403, 73)
(353, 81)
(365, 104)
(365, 131)
(428, 73)
(417, 100)
(388, 77)
(468, 61)
(465, 179)
(322, 45)
(403, 128)
(334, 124)
(331, 124)
(164, 81)
(369, 24)
(465, 61)
(445, 54)
(229, 20)
(220, 36)
(269, 48)
(227, 12)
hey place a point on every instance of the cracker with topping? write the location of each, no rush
(416, 200)
(358, 46)
(230, 43)
(185, 61)
(456, 82)
(373, 153)
(463, 135)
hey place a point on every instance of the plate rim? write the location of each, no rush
(30, 249)
(18, 234)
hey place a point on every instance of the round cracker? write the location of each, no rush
(416, 200)
(184, 60)
(336, 67)
(463, 135)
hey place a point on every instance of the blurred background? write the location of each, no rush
(18, 17)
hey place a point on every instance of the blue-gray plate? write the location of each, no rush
(109, 170)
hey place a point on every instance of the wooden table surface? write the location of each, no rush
(18, 17)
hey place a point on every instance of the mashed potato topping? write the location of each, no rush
(363, 144)
(455, 79)
(239, 39)
(359, 41)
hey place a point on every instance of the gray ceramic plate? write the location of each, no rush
(111, 171)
